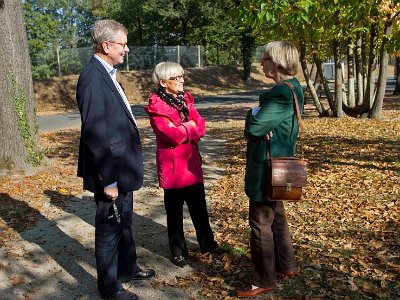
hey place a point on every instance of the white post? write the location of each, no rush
(155, 55)
(58, 61)
(199, 55)
(178, 54)
(127, 61)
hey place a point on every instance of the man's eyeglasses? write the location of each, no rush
(177, 78)
(122, 44)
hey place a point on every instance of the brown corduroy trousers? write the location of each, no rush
(270, 243)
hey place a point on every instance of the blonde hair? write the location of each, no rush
(165, 70)
(106, 30)
(284, 55)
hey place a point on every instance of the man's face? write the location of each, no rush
(115, 50)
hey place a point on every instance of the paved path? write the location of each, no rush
(55, 257)
(72, 120)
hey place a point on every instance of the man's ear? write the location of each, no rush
(105, 46)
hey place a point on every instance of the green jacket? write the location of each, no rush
(276, 114)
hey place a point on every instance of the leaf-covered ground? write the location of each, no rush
(346, 231)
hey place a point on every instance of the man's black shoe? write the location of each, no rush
(179, 261)
(141, 274)
(122, 295)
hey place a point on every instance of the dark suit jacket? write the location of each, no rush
(109, 149)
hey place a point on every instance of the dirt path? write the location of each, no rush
(54, 259)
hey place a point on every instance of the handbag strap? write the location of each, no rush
(297, 110)
(298, 115)
(296, 104)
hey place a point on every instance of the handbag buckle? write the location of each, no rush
(288, 186)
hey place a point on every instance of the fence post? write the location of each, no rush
(199, 55)
(155, 55)
(178, 54)
(58, 61)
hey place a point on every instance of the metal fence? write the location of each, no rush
(72, 61)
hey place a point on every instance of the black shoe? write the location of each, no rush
(141, 274)
(122, 295)
(212, 248)
(179, 261)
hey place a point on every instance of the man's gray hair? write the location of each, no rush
(106, 30)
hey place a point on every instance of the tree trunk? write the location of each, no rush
(359, 70)
(248, 45)
(382, 78)
(321, 110)
(351, 102)
(18, 133)
(338, 104)
(370, 87)
(324, 82)
(397, 67)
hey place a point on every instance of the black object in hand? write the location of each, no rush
(115, 213)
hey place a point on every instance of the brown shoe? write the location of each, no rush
(252, 293)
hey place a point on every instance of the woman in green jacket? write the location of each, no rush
(272, 124)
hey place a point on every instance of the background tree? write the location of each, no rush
(178, 22)
(18, 133)
(52, 25)
(324, 29)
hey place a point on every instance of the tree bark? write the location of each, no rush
(382, 78)
(351, 101)
(248, 45)
(397, 67)
(18, 127)
(321, 110)
(324, 82)
(338, 104)
(359, 70)
(370, 87)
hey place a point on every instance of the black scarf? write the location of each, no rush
(178, 102)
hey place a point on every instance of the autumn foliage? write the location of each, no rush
(346, 231)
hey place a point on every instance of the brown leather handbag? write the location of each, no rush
(286, 176)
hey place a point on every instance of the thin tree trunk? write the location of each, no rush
(248, 45)
(351, 102)
(397, 68)
(370, 87)
(359, 70)
(381, 83)
(338, 104)
(324, 82)
(18, 128)
(310, 85)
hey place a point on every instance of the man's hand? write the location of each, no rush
(111, 192)
(268, 136)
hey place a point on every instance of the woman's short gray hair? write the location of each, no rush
(106, 30)
(165, 70)
(283, 54)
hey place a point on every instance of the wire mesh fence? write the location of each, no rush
(72, 61)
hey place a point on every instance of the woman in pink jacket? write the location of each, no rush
(178, 128)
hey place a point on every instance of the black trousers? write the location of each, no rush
(271, 246)
(195, 198)
(114, 245)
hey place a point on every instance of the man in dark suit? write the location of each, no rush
(110, 160)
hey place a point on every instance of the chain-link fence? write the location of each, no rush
(72, 61)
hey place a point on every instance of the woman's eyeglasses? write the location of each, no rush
(265, 59)
(177, 78)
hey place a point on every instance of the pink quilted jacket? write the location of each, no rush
(178, 158)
